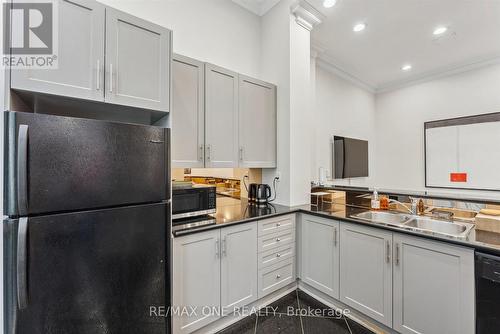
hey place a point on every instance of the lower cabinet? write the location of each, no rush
(319, 241)
(196, 274)
(433, 287)
(213, 271)
(239, 265)
(366, 271)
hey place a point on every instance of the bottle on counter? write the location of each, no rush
(375, 204)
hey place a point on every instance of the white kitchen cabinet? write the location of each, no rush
(257, 123)
(138, 55)
(221, 117)
(196, 273)
(366, 271)
(433, 287)
(320, 254)
(238, 265)
(80, 71)
(188, 112)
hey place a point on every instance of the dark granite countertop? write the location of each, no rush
(228, 215)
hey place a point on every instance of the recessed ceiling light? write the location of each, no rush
(406, 67)
(440, 30)
(329, 3)
(359, 27)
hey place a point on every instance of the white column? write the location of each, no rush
(286, 61)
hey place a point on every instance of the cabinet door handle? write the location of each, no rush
(201, 153)
(217, 250)
(278, 239)
(397, 254)
(111, 78)
(335, 236)
(209, 148)
(98, 75)
(278, 255)
(278, 276)
(224, 247)
(241, 153)
(278, 224)
(388, 252)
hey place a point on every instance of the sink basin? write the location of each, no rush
(441, 227)
(384, 217)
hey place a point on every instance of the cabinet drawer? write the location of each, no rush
(276, 224)
(275, 240)
(278, 254)
(276, 277)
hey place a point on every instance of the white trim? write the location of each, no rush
(259, 8)
(439, 73)
(340, 72)
(306, 15)
(327, 63)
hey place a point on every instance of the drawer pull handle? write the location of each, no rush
(278, 239)
(278, 224)
(278, 255)
(278, 276)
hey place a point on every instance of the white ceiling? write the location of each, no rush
(400, 32)
(259, 7)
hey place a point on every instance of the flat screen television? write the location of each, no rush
(350, 158)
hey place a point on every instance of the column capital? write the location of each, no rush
(306, 15)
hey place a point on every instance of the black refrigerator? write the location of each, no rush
(86, 242)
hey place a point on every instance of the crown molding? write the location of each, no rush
(306, 15)
(324, 61)
(259, 8)
(440, 73)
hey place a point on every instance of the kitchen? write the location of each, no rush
(253, 166)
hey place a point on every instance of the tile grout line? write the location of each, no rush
(347, 323)
(298, 306)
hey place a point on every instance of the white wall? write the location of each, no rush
(216, 31)
(342, 109)
(400, 117)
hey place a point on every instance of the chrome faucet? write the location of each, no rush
(414, 205)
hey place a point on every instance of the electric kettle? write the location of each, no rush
(259, 193)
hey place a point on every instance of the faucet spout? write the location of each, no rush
(412, 210)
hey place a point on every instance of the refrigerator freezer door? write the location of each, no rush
(58, 164)
(96, 272)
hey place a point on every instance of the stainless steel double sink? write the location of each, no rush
(417, 223)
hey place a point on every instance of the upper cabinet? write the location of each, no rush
(188, 112)
(221, 117)
(80, 59)
(257, 123)
(137, 62)
(105, 55)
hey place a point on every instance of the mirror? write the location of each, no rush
(463, 153)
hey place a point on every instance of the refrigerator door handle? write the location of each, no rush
(22, 264)
(22, 170)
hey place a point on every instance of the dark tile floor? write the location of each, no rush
(296, 313)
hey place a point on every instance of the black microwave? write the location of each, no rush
(192, 200)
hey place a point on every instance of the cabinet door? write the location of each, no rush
(80, 55)
(188, 109)
(238, 266)
(366, 271)
(257, 123)
(196, 273)
(221, 117)
(433, 287)
(138, 55)
(320, 254)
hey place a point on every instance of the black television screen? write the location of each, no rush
(350, 158)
